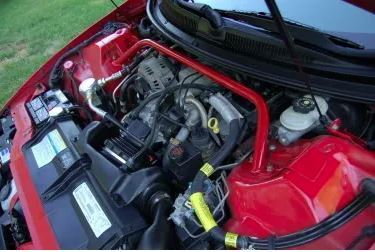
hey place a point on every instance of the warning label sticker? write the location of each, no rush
(4, 155)
(91, 209)
(45, 151)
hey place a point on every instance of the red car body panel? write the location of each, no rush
(364, 4)
(312, 180)
(342, 164)
(41, 232)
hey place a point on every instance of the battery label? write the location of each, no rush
(45, 151)
(4, 156)
(91, 209)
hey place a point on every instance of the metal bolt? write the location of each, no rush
(283, 140)
(335, 127)
(269, 168)
(272, 147)
(75, 139)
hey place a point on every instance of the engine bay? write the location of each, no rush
(135, 143)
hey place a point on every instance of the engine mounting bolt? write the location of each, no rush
(283, 140)
(272, 147)
(335, 127)
(269, 168)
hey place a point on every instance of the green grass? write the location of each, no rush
(33, 30)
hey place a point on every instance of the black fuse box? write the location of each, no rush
(40, 106)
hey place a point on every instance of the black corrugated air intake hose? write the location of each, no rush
(161, 234)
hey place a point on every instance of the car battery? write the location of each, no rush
(81, 212)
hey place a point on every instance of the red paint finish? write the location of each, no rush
(26, 246)
(342, 237)
(261, 136)
(364, 4)
(96, 60)
(334, 129)
(14, 201)
(100, 55)
(40, 230)
(37, 222)
(311, 181)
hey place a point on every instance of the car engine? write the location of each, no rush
(151, 148)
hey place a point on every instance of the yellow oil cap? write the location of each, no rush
(213, 124)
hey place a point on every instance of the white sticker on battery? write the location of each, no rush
(4, 156)
(91, 209)
(45, 151)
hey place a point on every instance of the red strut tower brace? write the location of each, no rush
(259, 155)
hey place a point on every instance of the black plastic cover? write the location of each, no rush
(7, 130)
(181, 162)
(269, 61)
(80, 210)
(40, 106)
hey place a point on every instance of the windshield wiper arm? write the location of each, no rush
(264, 20)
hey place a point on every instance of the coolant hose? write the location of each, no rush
(192, 120)
(197, 198)
(195, 113)
(124, 85)
(233, 117)
(201, 109)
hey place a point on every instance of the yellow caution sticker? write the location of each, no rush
(202, 211)
(231, 240)
(207, 169)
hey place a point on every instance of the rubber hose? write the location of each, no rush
(221, 155)
(201, 109)
(230, 143)
(160, 235)
(124, 86)
(192, 120)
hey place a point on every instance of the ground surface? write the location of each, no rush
(32, 30)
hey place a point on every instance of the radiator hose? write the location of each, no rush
(197, 197)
